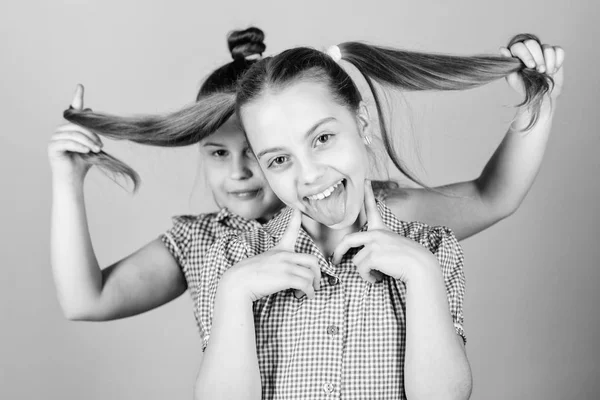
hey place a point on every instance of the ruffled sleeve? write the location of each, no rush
(227, 251)
(177, 239)
(450, 255)
(442, 242)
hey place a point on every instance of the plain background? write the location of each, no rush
(531, 309)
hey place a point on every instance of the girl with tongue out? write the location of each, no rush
(382, 316)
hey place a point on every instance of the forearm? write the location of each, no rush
(77, 276)
(229, 369)
(436, 366)
(511, 170)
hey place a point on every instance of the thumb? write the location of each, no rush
(373, 216)
(288, 239)
(505, 52)
(77, 102)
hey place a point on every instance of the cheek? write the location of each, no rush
(282, 185)
(352, 156)
(215, 176)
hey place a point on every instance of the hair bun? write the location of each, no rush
(248, 42)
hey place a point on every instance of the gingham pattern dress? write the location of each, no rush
(189, 240)
(349, 341)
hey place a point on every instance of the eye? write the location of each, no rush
(249, 153)
(220, 153)
(278, 162)
(323, 139)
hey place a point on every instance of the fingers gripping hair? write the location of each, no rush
(536, 84)
(409, 70)
(184, 127)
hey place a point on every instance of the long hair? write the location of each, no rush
(404, 70)
(398, 69)
(187, 126)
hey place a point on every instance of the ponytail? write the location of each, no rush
(412, 71)
(181, 128)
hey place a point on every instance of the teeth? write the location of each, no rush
(324, 193)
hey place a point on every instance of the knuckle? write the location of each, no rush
(517, 46)
(531, 42)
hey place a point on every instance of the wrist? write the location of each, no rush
(67, 180)
(231, 289)
(425, 271)
(68, 188)
(524, 114)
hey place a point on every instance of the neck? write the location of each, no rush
(269, 214)
(327, 238)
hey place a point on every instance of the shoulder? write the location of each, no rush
(186, 226)
(402, 201)
(434, 238)
(191, 221)
(187, 231)
(234, 246)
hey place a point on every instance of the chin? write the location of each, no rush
(249, 212)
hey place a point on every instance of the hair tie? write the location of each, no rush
(255, 56)
(334, 52)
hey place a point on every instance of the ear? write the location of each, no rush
(364, 119)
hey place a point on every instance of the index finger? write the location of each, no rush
(373, 216)
(537, 53)
(77, 102)
(288, 239)
(521, 51)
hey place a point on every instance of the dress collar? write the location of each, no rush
(276, 226)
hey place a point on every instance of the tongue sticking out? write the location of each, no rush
(332, 209)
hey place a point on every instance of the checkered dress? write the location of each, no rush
(189, 240)
(349, 341)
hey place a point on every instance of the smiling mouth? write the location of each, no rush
(246, 194)
(329, 206)
(325, 193)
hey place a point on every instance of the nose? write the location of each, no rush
(240, 168)
(310, 170)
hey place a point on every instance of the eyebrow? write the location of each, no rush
(213, 144)
(308, 133)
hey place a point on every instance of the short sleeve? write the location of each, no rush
(442, 242)
(178, 239)
(450, 255)
(226, 251)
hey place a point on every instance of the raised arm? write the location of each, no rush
(230, 368)
(472, 206)
(140, 282)
(436, 364)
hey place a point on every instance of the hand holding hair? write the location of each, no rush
(69, 141)
(543, 58)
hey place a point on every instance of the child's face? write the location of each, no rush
(234, 176)
(311, 151)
